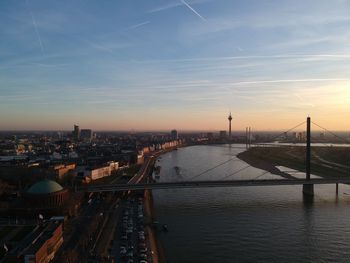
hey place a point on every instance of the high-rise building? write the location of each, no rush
(229, 126)
(173, 135)
(86, 134)
(76, 133)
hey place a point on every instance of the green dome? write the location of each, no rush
(45, 187)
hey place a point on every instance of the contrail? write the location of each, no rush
(194, 11)
(36, 28)
(137, 25)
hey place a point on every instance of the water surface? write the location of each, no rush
(247, 224)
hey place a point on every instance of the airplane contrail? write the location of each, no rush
(137, 25)
(194, 11)
(35, 28)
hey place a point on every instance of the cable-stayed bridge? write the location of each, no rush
(210, 184)
(137, 183)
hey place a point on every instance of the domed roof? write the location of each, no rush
(45, 187)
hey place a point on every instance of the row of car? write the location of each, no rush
(133, 245)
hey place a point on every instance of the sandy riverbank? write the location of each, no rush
(326, 162)
(259, 163)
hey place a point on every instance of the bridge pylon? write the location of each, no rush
(308, 189)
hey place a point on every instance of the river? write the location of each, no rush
(247, 224)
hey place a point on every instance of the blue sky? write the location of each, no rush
(163, 64)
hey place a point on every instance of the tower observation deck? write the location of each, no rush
(229, 125)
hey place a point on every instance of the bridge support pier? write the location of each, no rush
(337, 189)
(308, 189)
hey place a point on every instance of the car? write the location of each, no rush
(123, 243)
(143, 256)
(124, 237)
(143, 250)
(142, 244)
(143, 261)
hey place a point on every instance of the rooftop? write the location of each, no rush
(45, 187)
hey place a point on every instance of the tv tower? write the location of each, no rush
(229, 126)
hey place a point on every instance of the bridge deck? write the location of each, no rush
(208, 184)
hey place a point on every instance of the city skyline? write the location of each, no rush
(159, 65)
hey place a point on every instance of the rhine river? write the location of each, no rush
(247, 224)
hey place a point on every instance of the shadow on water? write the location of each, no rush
(308, 201)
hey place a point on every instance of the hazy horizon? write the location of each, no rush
(159, 65)
(301, 129)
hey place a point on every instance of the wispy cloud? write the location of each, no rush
(192, 9)
(257, 82)
(137, 25)
(35, 28)
(303, 102)
(302, 57)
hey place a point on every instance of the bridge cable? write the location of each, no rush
(330, 145)
(236, 172)
(335, 135)
(266, 172)
(212, 168)
(279, 135)
(335, 165)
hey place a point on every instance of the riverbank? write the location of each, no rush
(326, 162)
(157, 251)
(257, 162)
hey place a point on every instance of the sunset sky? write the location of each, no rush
(164, 64)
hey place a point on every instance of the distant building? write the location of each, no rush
(174, 135)
(61, 170)
(210, 135)
(223, 134)
(301, 136)
(76, 133)
(86, 134)
(91, 174)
